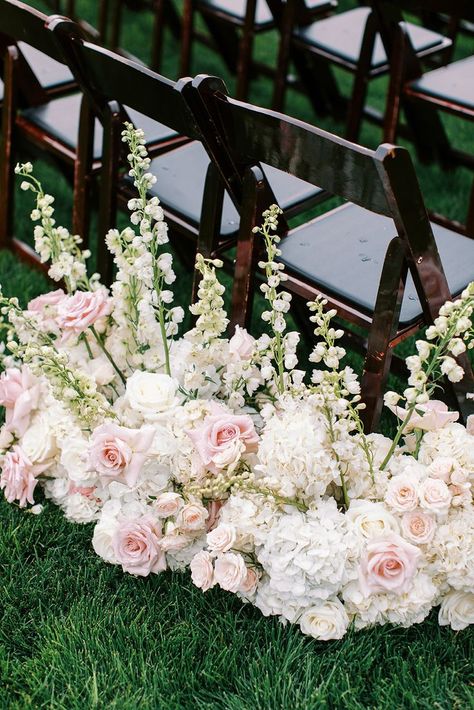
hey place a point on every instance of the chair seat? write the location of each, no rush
(453, 83)
(235, 9)
(340, 36)
(60, 119)
(343, 252)
(50, 73)
(180, 177)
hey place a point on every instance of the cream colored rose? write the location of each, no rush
(418, 527)
(435, 495)
(371, 519)
(222, 538)
(457, 610)
(402, 494)
(325, 621)
(74, 458)
(202, 570)
(442, 467)
(230, 456)
(192, 517)
(151, 394)
(39, 442)
(168, 504)
(230, 571)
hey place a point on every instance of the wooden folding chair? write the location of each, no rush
(377, 259)
(61, 128)
(114, 86)
(349, 40)
(423, 94)
(233, 25)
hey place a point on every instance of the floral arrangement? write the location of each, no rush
(219, 454)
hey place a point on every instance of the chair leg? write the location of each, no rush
(186, 38)
(6, 166)
(115, 25)
(361, 80)
(83, 172)
(211, 218)
(384, 325)
(283, 62)
(245, 52)
(111, 152)
(158, 29)
(470, 215)
(253, 199)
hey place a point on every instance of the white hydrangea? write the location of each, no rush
(453, 549)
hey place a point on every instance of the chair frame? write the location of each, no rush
(248, 136)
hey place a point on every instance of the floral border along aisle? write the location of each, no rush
(215, 454)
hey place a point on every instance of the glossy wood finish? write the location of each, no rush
(382, 182)
(423, 94)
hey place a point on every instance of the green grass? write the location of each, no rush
(77, 633)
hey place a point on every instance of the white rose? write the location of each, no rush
(242, 344)
(418, 527)
(151, 394)
(39, 442)
(457, 610)
(202, 570)
(442, 467)
(371, 519)
(192, 516)
(74, 458)
(229, 456)
(325, 621)
(435, 495)
(168, 504)
(105, 530)
(222, 538)
(230, 571)
(401, 494)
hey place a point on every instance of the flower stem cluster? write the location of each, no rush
(276, 353)
(55, 243)
(212, 320)
(144, 269)
(450, 336)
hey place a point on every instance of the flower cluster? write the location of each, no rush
(212, 453)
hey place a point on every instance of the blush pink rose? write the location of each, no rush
(45, 306)
(402, 493)
(78, 312)
(118, 452)
(136, 544)
(202, 570)
(19, 477)
(219, 433)
(388, 565)
(19, 394)
(168, 504)
(242, 344)
(230, 571)
(418, 527)
(430, 416)
(249, 585)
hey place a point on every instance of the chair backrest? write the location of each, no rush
(105, 77)
(22, 23)
(382, 181)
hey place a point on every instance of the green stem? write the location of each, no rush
(107, 354)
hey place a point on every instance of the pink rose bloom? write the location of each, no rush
(230, 571)
(242, 344)
(435, 495)
(118, 452)
(220, 432)
(430, 416)
(43, 305)
(136, 545)
(76, 313)
(249, 585)
(18, 478)
(388, 565)
(402, 494)
(202, 570)
(418, 527)
(19, 394)
(168, 504)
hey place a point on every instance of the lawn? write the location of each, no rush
(78, 633)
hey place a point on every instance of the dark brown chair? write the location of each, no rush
(377, 259)
(423, 94)
(59, 127)
(349, 40)
(233, 25)
(114, 86)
